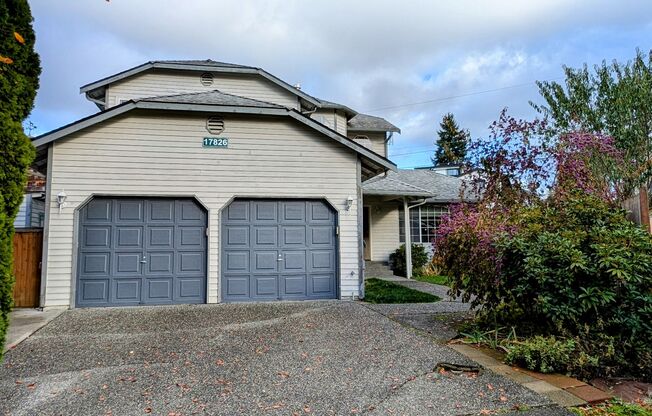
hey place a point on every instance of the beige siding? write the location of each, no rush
(384, 227)
(377, 140)
(334, 120)
(155, 83)
(148, 154)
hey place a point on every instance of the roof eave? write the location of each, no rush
(376, 130)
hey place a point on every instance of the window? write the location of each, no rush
(424, 221)
(453, 172)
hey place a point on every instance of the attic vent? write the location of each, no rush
(206, 79)
(215, 125)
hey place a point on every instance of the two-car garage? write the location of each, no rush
(149, 251)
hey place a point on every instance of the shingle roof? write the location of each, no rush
(419, 183)
(337, 106)
(365, 122)
(203, 62)
(214, 97)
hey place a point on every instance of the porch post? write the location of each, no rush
(408, 239)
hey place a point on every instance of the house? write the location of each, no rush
(31, 212)
(206, 182)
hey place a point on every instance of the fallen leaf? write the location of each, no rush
(19, 38)
(31, 386)
(503, 398)
(284, 374)
(19, 382)
(485, 412)
(219, 362)
(490, 387)
(148, 410)
(6, 60)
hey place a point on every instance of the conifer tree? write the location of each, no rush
(451, 145)
(19, 72)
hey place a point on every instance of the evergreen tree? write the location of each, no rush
(19, 72)
(451, 145)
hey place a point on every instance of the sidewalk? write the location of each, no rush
(23, 322)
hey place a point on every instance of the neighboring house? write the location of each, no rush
(448, 170)
(205, 182)
(31, 213)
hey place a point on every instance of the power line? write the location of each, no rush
(412, 153)
(452, 97)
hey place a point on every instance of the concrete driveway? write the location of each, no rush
(299, 358)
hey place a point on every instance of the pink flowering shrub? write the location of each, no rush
(545, 248)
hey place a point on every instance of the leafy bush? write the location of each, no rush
(543, 354)
(397, 259)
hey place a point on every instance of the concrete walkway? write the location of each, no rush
(23, 322)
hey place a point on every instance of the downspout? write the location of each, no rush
(408, 235)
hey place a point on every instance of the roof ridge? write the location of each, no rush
(208, 92)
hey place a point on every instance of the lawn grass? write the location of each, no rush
(434, 279)
(382, 291)
(615, 408)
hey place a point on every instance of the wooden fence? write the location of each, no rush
(28, 246)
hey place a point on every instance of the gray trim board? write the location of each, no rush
(46, 224)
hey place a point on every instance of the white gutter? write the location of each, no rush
(408, 236)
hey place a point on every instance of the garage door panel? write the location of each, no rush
(321, 236)
(95, 264)
(293, 286)
(126, 290)
(160, 263)
(127, 263)
(129, 237)
(319, 212)
(321, 285)
(130, 211)
(141, 251)
(236, 261)
(191, 237)
(94, 291)
(238, 211)
(98, 210)
(161, 211)
(265, 236)
(236, 287)
(160, 237)
(321, 260)
(293, 236)
(265, 286)
(293, 261)
(189, 288)
(293, 211)
(265, 261)
(237, 236)
(96, 236)
(193, 263)
(264, 211)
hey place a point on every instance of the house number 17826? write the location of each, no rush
(215, 142)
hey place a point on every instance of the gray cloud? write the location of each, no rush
(367, 54)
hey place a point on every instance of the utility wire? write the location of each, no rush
(452, 97)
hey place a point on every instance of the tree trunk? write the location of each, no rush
(643, 201)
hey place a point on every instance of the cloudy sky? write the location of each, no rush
(408, 61)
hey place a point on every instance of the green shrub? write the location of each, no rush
(543, 354)
(397, 259)
(574, 268)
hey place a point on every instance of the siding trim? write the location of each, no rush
(46, 225)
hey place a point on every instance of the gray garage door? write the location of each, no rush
(278, 249)
(141, 251)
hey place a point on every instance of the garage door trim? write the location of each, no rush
(77, 226)
(222, 296)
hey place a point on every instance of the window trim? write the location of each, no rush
(418, 220)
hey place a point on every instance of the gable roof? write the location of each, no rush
(433, 186)
(366, 122)
(197, 65)
(218, 102)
